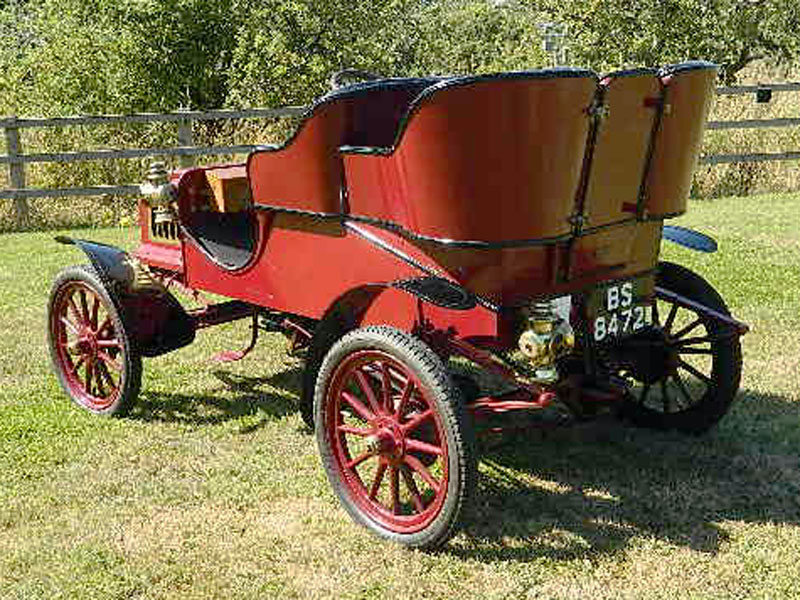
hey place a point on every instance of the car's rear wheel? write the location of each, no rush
(394, 440)
(91, 350)
(687, 371)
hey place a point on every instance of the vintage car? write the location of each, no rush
(442, 250)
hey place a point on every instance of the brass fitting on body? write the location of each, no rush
(159, 193)
(547, 336)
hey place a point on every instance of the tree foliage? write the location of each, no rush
(608, 34)
(110, 55)
(89, 56)
(287, 51)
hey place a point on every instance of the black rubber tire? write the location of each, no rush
(726, 362)
(428, 368)
(126, 355)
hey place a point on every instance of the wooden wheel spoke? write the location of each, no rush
(95, 312)
(366, 387)
(84, 307)
(690, 350)
(696, 372)
(673, 311)
(408, 389)
(416, 497)
(394, 487)
(73, 308)
(424, 447)
(423, 472)
(106, 324)
(112, 343)
(356, 404)
(417, 421)
(99, 379)
(352, 464)
(103, 368)
(386, 391)
(689, 328)
(656, 319)
(359, 431)
(77, 365)
(87, 383)
(377, 480)
(114, 364)
(695, 340)
(665, 396)
(70, 325)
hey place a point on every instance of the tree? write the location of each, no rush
(83, 56)
(287, 50)
(607, 34)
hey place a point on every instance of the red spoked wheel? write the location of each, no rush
(395, 443)
(89, 347)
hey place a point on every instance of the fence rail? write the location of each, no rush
(186, 150)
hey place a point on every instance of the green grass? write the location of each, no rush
(213, 489)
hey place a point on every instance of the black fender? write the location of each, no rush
(112, 264)
(689, 238)
(439, 291)
(154, 319)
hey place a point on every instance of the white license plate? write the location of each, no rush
(620, 309)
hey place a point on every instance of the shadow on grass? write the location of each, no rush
(586, 491)
(271, 397)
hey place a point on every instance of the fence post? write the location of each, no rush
(185, 138)
(16, 172)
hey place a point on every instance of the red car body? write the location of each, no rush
(430, 218)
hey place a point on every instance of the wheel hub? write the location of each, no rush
(388, 441)
(650, 355)
(86, 344)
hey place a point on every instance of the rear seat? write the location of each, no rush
(306, 174)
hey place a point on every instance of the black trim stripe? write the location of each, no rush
(398, 229)
(448, 243)
(384, 245)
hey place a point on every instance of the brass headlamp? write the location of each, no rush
(159, 193)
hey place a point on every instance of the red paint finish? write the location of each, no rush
(374, 397)
(620, 153)
(490, 160)
(289, 260)
(307, 172)
(163, 256)
(534, 180)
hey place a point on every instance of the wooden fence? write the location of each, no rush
(17, 159)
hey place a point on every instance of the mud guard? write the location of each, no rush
(155, 319)
(438, 291)
(688, 238)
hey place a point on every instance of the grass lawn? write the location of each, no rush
(212, 488)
